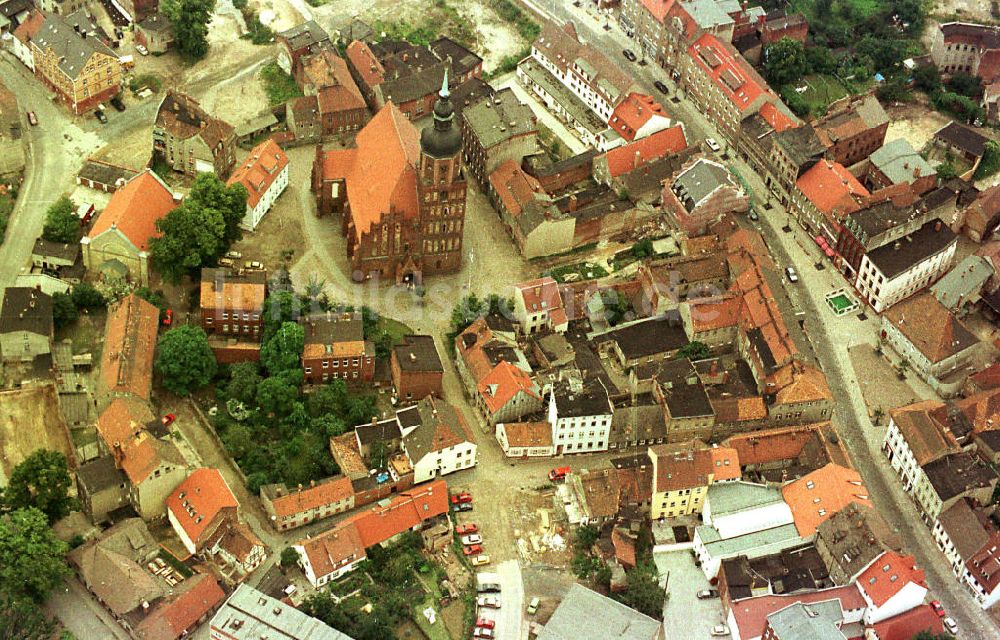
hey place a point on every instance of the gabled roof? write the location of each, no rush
(135, 208)
(587, 615)
(730, 72)
(26, 309)
(561, 45)
(692, 464)
(832, 189)
(633, 113)
(888, 575)
(777, 117)
(907, 625)
(440, 427)
(129, 344)
(74, 40)
(808, 385)
(330, 491)
(528, 434)
(962, 138)
(627, 158)
(197, 501)
(334, 335)
(304, 35)
(751, 614)
(181, 116)
(221, 289)
(365, 64)
(25, 32)
(926, 438)
(404, 512)
(178, 614)
(381, 172)
(541, 294)
(930, 327)
(260, 169)
(122, 420)
(815, 497)
(503, 383)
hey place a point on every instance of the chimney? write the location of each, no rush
(312, 484)
(916, 172)
(937, 225)
(413, 357)
(572, 202)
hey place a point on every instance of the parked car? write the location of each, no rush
(951, 626)
(253, 265)
(99, 114)
(117, 103)
(705, 594)
(461, 498)
(559, 473)
(32, 119)
(486, 624)
(489, 602)
(464, 506)
(628, 55)
(168, 317)
(533, 606)
(938, 609)
(472, 550)
(234, 255)
(168, 419)
(472, 539)
(753, 214)
(488, 587)
(792, 276)
(465, 529)
(142, 50)
(662, 88)
(713, 145)
(720, 631)
(479, 561)
(483, 632)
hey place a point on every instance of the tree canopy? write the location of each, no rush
(61, 222)
(32, 559)
(64, 312)
(41, 481)
(283, 349)
(185, 360)
(22, 619)
(189, 19)
(785, 61)
(643, 593)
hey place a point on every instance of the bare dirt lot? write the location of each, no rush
(914, 122)
(30, 420)
(970, 10)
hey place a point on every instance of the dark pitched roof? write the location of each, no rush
(418, 353)
(25, 309)
(963, 138)
(896, 257)
(957, 473)
(64, 251)
(589, 401)
(305, 35)
(462, 60)
(683, 391)
(440, 427)
(384, 430)
(329, 328)
(648, 338)
(801, 144)
(105, 173)
(100, 474)
(75, 39)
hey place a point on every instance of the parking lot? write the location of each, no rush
(509, 618)
(682, 609)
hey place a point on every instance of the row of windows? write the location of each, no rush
(336, 374)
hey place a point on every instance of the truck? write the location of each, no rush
(558, 474)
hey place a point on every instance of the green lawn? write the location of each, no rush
(395, 328)
(822, 90)
(862, 8)
(280, 86)
(585, 271)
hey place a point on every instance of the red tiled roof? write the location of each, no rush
(723, 64)
(985, 565)
(260, 169)
(515, 187)
(887, 576)
(26, 31)
(988, 379)
(528, 434)
(816, 496)
(198, 500)
(503, 383)
(808, 385)
(627, 158)
(931, 327)
(324, 493)
(135, 208)
(129, 344)
(333, 548)
(907, 625)
(658, 8)
(122, 420)
(682, 466)
(926, 438)
(757, 448)
(633, 113)
(340, 98)
(381, 172)
(404, 512)
(177, 615)
(832, 189)
(751, 613)
(540, 294)
(709, 315)
(365, 63)
(778, 119)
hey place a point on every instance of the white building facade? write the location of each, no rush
(882, 291)
(580, 428)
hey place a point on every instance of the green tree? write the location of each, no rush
(990, 162)
(360, 409)
(643, 593)
(184, 360)
(192, 237)
(289, 557)
(61, 222)
(330, 398)
(794, 100)
(189, 19)
(243, 380)
(208, 192)
(785, 62)
(280, 307)
(283, 350)
(383, 344)
(927, 78)
(86, 296)
(585, 537)
(64, 312)
(41, 481)
(966, 84)
(32, 559)
(278, 393)
(820, 59)
(21, 619)
(694, 351)
(329, 426)
(378, 455)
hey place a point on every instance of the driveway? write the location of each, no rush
(682, 610)
(510, 616)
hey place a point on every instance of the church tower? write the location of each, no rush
(442, 189)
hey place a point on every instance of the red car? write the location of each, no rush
(168, 419)
(938, 609)
(461, 498)
(473, 550)
(483, 623)
(465, 529)
(168, 317)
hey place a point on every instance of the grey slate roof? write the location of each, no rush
(418, 353)
(64, 251)
(698, 181)
(73, 48)
(251, 615)
(25, 309)
(440, 427)
(498, 118)
(920, 245)
(900, 163)
(304, 35)
(965, 281)
(100, 474)
(814, 621)
(733, 497)
(962, 138)
(587, 615)
(331, 329)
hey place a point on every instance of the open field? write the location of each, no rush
(821, 91)
(31, 420)
(862, 8)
